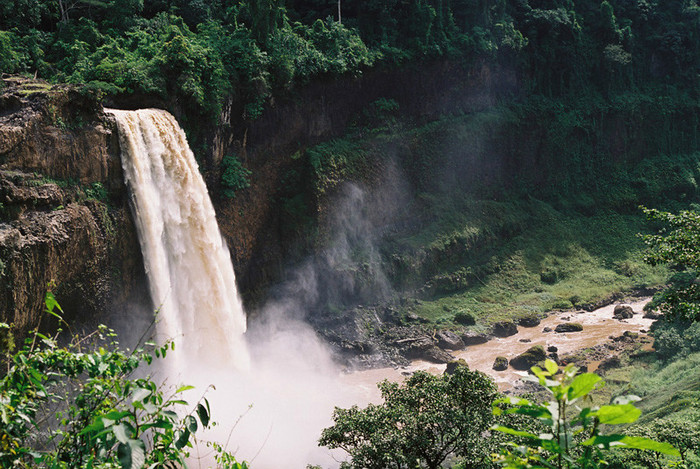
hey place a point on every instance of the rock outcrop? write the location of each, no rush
(64, 218)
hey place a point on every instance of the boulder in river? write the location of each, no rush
(454, 364)
(504, 329)
(569, 327)
(529, 358)
(449, 340)
(623, 312)
(529, 321)
(437, 355)
(474, 338)
(500, 364)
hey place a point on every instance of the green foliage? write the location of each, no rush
(234, 176)
(80, 407)
(420, 422)
(679, 246)
(575, 438)
(11, 60)
(335, 161)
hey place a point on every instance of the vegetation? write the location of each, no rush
(575, 438)
(421, 422)
(429, 418)
(81, 406)
(234, 175)
(202, 50)
(679, 247)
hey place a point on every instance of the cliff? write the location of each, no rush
(64, 219)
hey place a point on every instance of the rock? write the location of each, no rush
(504, 329)
(437, 355)
(449, 340)
(529, 321)
(547, 329)
(623, 312)
(552, 349)
(474, 338)
(423, 347)
(500, 364)
(415, 318)
(464, 319)
(529, 358)
(525, 341)
(609, 363)
(630, 335)
(569, 327)
(454, 364)
(652, 315)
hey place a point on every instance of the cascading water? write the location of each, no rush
(189, 269)
(271, 411)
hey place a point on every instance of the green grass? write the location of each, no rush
(523, 257)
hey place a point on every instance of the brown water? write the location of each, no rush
(598, 326)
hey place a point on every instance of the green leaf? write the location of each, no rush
(132, 454)
(191, 423)
(582, 385)
(120, 432)
(617, 414)
(203, 415)
(182, 439)
(551, 366)
(51, 304)
(512, 431)
(632, 442)
(184, 388)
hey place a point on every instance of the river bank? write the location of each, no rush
(601, 331)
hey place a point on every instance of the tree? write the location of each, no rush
(678, 245)
(421, 422)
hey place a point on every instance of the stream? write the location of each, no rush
(598, 326)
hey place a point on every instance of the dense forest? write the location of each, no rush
(201, 51)
(525, 204)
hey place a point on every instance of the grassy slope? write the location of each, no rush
(529, 258)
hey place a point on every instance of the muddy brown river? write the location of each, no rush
(598, 326)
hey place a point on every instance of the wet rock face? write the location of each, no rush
(449, 340)
(474, 338)
(500, 364)
(529, 321)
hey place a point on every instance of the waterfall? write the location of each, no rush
(188, 265)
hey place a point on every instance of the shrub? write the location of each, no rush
(234, 176)
(575, 439)
(96, 413)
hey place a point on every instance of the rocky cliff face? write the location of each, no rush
(64, 220)
(253, 222)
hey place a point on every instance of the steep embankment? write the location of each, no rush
(63, 213)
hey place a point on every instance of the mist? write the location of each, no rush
(272, 414)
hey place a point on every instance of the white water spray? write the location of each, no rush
(188, 265)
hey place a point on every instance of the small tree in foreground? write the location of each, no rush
(575, 439)
(80, 407)
(420, 423)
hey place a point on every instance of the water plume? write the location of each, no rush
(189, 270)
(277, 386)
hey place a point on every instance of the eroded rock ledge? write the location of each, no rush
(64, 217)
